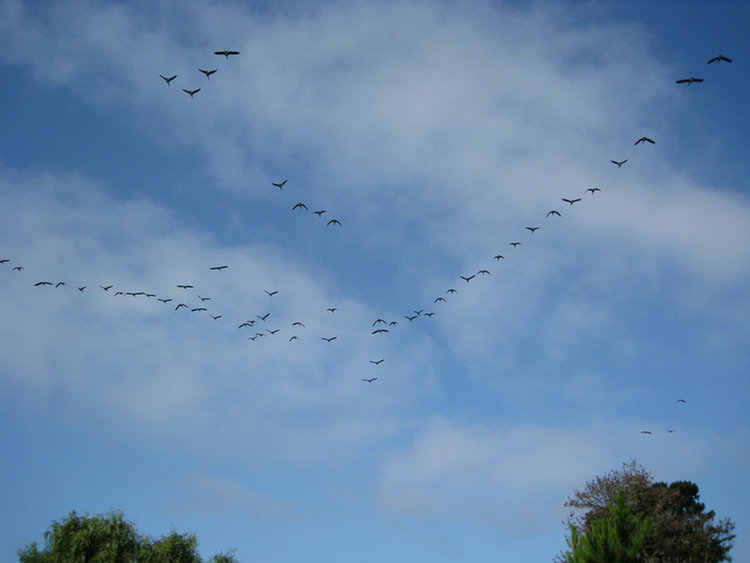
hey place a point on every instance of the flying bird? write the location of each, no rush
(532, 229)
(593, 190)
(247, 323)
(41, 283)
(18, 268)
(645, 432)
(719, 59)
(184, 286)
(279, 185)
(299, 205)
(440, 299)
(688, 81)
(645, 140)
(467, 279)
(4, 260)
(331, 309)
(297, 323)
(226, 53)
(451, 290)
(106, 288)
(208, 73)
(59, 284)
(198, 309)
(619, 163)
(514, 244)
(377, 362)
(483, 272)
(370, 380)
(498, 257)
(334, 222)
(191, 92)
(168, 80)
(264, 317)
(553, 212)
(571, 201)
(218, 268)
(204, 298)
(320, 212)
(271, 293)
(379, 321)
(165, 300)
(293, 338)
(215, 317)
(272, 332)
(380, 331)
(82, 288)
(411, 319)
(331, 339)
(180, 305)
(680, 401)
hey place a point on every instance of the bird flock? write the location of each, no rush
(258, 325)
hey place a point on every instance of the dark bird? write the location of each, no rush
(680, 401)
(299, 205)
(4, 260)
(411, 319)
(620, 163)
(334, 222)
(184, 286)
(645, 140)
(370, 380)
(319, 212)
(645, 432)
(165, 300)
(168, 80)
(719, 59)
(279, 185)
(18, 268)
(440, 299)
(379, 321)
(106, 288)
(380, 331)
(118, 293)
(271, 293)
(218, 268)
(593, 190)
(191, 92)
(293, 338)
(532, 229)
(571, 201)
(297, 323)
(514, 244)
(331, 339)
(204, 298)
(208, 73)
(41, 283)
(215, 317)
(82, 288)
(180, 305)
(553, 212)
(429, 314)
(226, 53)
(151, 295)
(377, 362)
(498, 257)
(331, 309)
(393, 323)
(467, 279)
(247, 323)
(419, 312)
(451, 290)
(688, 81)
(264, 317)
(483, 272)
(272, 332)
(58, 284)
(198, 309)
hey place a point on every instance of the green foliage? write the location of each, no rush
(683, 530)
(618, 538)
(108, 538)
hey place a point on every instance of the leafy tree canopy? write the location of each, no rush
(683, 531)
(109, 538)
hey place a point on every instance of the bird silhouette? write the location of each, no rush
(532, 229)
(553, 212)
(379, 321)
(264, 317)
(218, 268)
(279, 185)
(272, 332)
(319, 212)
(719, 59)
(299, 205)
(467, 279)
(271, 293)
(330, 339)
(42, 283)
(680, 401)
(645, 140)
(451, 290)
(370, 380)
(297, 323)
(198, 309)
(226, 53)
(215, 317)
(619, 163)
(514, 244)
(331, 309)
(58, 284)
(164, 300)
(208, 73)
(380, 331)
(411, 319)
(168, 80)
(204, 298)
(184, 286)
(498, 257)
(191, 92)
(440, 299)
(180, 306)
(483, 272)
(82, 288)
(571, 201)
(688, 81)
(593, 190)
(106, 288)
(377, 362)
(334, 222)
(645, 432)
(18, 268)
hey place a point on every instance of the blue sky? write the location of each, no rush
(435, 132)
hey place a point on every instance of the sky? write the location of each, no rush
(433, 133)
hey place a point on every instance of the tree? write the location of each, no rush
(618, 537)
(109, 538)
(683, 531)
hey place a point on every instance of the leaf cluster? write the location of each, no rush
(109, 538)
